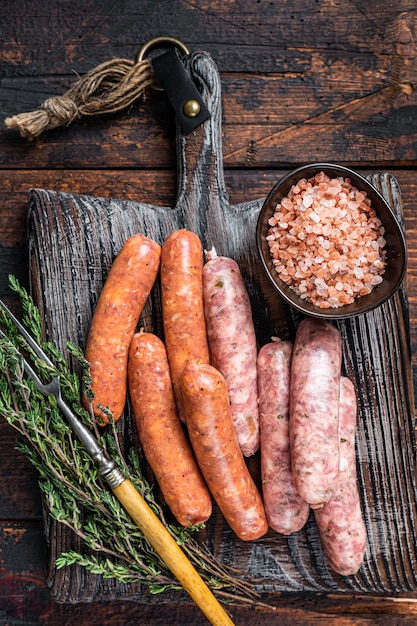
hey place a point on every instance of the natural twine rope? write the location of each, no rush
(108, 88)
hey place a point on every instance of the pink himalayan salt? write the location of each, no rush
(326, 241)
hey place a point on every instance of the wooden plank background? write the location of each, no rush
(301, 81)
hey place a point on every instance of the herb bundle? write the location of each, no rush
(74, 492)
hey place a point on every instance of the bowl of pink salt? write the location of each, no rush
(329, 242)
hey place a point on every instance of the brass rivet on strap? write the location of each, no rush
(191, 108)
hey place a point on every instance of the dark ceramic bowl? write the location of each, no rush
(396, 252)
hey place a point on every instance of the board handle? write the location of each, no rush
(199, 153)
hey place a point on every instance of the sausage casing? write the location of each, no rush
(314, 410)
(213, 438)
(161, 434)
(340, 521)
(232, 344)
(286, 511)
(182, 305)
(115, 318)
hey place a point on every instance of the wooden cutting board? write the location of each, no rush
(73, 240)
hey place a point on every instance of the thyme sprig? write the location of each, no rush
(73, 491)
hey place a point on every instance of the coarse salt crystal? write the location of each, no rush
(307, 201)
(376, 280)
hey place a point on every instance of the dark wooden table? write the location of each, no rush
(302, 81)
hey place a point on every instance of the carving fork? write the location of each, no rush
(132, 501)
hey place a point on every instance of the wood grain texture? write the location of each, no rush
(300, 81)
(84, 233)
(347, 92)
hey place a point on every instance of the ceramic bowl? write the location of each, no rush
(396, 252)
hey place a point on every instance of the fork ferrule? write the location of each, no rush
(112, 474)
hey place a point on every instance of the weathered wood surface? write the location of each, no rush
(302, 79)
(82, 235)
(300, 82)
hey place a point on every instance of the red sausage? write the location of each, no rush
(161, 433)
(127, 287)
(286, 511)
(232, 344)
(340, 522)
(182, 305)
(213, 438)
(314, 410)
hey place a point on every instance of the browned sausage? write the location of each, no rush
(213, 438)
(340, 522)
(314, 410)
(232, 343)
(125, 291)
(161, 433)
(182, 305)
(286, 511)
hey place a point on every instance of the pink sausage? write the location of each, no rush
(232, 344)
(314, 410)
(340, 522)
(286, 511)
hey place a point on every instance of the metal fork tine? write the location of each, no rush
(106, 466)
(35, 346)
(28, 368)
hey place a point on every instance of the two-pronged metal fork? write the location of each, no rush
(106, 466)
(151, 526)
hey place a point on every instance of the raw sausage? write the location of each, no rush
(232, 343)
(125, 291)
(314, 410)
(286, 511)
(213, 438)
(182, 305)
(161, 433)
(340, 522)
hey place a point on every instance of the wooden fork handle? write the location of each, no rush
(164, 544)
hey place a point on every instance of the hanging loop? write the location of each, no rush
(160, 41)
